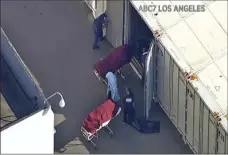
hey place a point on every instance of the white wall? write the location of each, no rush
(34, 134)
(115, 27)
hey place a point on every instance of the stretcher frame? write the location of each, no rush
(104, 80)
(89, 136)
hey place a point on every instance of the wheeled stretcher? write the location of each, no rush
(98, 119)
(113, 62)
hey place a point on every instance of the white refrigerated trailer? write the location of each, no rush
(190, 42)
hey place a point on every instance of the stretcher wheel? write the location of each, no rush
(98, 76)
(104, 81)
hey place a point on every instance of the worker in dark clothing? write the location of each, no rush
(98, 24)
(129, 108)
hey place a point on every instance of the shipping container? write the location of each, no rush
(190, 43)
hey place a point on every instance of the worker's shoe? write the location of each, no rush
(96, 47)
(101, 39)
(125, 123)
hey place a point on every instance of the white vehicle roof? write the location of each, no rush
(198, 42)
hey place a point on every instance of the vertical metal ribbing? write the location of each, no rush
(123, 26)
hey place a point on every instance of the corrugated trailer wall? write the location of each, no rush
(226, 143)
(184, 107)
(222, 141)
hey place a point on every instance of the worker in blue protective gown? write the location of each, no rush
(112, 91)
(98, 24)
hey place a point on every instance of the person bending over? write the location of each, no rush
(98, 24)
(112, 91)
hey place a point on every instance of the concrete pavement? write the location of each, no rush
(55, 38)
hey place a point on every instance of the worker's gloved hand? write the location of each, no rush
(104, 26)
(106, 20)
